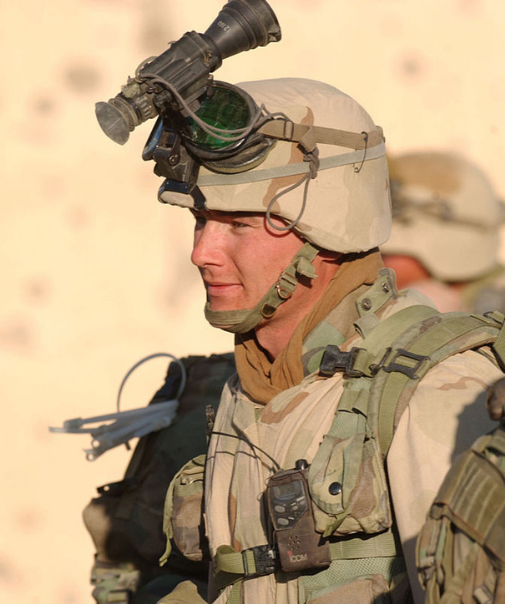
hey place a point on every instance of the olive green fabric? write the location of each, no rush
(184, 593)
(392, 358)
(125, 520)
(461, 548)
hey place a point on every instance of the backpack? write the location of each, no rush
(125, 520)
(460, 551)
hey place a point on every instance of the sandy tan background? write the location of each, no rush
(95, 273)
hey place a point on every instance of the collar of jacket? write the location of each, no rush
(357, 314)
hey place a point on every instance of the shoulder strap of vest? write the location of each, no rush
(419, 348)
(384, 372)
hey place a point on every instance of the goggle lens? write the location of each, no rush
(224, 109)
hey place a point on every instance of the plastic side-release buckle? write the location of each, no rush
(410, 370)
(335, 360)
(266, 560)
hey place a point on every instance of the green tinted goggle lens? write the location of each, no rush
(223, 109)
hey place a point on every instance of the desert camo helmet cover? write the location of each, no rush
(446, 214)
(346, 207)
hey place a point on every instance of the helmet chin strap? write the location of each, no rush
(242, 321)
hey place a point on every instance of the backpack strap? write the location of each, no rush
(419, 349)
(365, 365)
(385, 370)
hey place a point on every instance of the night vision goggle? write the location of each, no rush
(221, 135)
(198, 120)
(202, 122)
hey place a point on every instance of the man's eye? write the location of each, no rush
(239, 225)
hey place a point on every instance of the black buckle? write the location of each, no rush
(266, 560)
(410, 372)
(494, 315)
(335, 360)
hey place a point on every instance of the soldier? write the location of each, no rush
(446, 231)
(308, 496)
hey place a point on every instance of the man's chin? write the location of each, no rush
(223, 306)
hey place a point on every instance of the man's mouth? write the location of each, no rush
(218, 288)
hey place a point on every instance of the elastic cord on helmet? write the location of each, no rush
(261, 174)
(313, 159)
(242, 321)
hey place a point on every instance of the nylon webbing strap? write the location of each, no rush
(382, 545)
(235, 596)
(343, 571)
(499, 345)
(434, 344)
(389, 330)
(232, 565)
(242, 321)
(347, 425)
(290, 131)
(233, 562)
(450, 328)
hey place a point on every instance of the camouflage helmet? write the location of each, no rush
(347, 205)
(445, 214)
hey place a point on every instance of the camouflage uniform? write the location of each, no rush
(440, 421)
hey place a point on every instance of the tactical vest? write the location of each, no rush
(381, 375)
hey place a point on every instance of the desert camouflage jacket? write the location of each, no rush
(252, 441)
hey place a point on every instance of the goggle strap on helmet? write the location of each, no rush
(289, 131)
(242, 321)
(355, 157)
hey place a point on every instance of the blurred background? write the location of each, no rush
(96, 273)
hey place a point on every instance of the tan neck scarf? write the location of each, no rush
(262, 379)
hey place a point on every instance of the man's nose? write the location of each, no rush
(207, 246)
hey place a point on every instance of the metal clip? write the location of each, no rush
(410, 372)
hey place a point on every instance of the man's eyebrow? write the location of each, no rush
(203, 212)
(244, 214)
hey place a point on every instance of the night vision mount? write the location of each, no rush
(182, 71)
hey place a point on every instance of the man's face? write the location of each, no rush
(240, 256)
